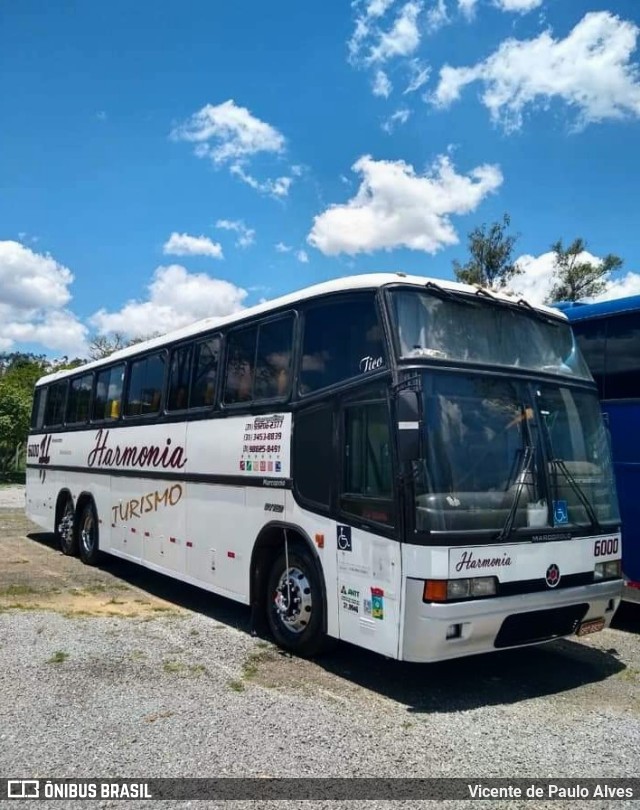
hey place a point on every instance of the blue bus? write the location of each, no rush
(609, 335)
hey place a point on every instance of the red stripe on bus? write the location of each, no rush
(231, 554)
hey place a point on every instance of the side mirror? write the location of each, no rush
(408, 415)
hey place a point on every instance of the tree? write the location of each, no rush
(104, 345)
(576, 277)
(15, 411)
(18, 375)
(491, 264)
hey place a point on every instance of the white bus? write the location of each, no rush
(414, 466)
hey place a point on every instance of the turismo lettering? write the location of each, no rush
(137, 507)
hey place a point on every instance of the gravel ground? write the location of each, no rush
(12, 496)
(191, 693)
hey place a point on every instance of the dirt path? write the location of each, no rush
(34, 575)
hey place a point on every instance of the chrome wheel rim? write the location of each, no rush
(292, 600)
(87, 533)
(65, 527)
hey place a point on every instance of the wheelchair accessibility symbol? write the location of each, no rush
(343, 537)
(560, 513)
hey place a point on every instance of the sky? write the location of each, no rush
(166, 162)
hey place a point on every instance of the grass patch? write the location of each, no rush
(18, 590)
(58, 657)
(236, 686)
(173, 667)
(18, 606)
(252, 664)
(178, 668)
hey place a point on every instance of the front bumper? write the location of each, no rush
(488, 624)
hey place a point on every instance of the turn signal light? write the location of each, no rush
(447, 590)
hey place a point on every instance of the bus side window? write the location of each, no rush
(240, 365)
(622, 380)
(108, 393)
(273, 361)
(342, 339)
(39, 402)
(313, 455)
(56, 402)
(79, 399)
(367, 488)
(203, 390)
(146, 380)
(179, 377)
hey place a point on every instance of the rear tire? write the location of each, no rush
(295, 604)
(65, 529)
(88, 536)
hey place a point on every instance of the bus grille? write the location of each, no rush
(540, 625)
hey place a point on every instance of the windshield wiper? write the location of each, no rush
(448, 295)
(523, 473)
(575, 486)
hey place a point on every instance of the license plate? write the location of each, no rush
(592, 626)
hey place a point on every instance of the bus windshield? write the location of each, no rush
(450, 326)
(503, 453)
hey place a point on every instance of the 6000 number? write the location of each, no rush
(608, 545)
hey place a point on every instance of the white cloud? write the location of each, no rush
(399, 117)
(536, 281)
(381, 85)
(395, 207)
(278, 188)
(282, 248)
(181, 244)
(467, 7)
(418, 75)
(176, 298)
(59, 330)
(628, 284)
(301, 256)
(590, 70)
(372, 11)
(31, 280)
(437, 15)
(402, 38)
(521, 6)
(226, 132)
(34, 291)
(246, 236)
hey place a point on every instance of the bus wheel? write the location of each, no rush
(65, 529)
(295, 604)
(88, 534)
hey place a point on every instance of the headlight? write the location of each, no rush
(445, 590)
(608, 570)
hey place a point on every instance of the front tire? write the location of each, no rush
(65, 529)
(88, 537)
(295, 603)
